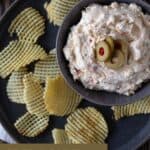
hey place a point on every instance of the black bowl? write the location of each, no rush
(98, 97)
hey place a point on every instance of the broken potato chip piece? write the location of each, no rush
(19, 54)
(29, 25)
(60, 137)
(47, 67)
(60, 99)
(31, 125)
(57, 10)
(33, 96)
(15, 87)
(86, 126)
(139, 107)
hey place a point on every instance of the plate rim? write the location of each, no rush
(3, 119)
(141, 137)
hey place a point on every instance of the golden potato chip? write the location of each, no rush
(139, 107)
(19, 54)
(47, 67)
(57, 10)
(33, 96)
(60, 137)
(86, 126)
(15, 86)
(60, 99)
(28, 25)
(31, 125)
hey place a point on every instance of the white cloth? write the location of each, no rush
(5, 137)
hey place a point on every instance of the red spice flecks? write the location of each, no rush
(101, 51)
(90, 40)
(77, 71)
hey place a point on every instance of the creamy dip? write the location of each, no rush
(120, 21)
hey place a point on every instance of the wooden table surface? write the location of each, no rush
(4, 4)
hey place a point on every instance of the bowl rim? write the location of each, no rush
(93, 95)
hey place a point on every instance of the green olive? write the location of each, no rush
(117, 60)
(103, 52)
(123, 46)
(125, 50)
(110, 41)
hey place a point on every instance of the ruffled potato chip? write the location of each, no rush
(15, 86)
(139, 107)
(60, 137)
(33, 96)
(31, 125)
(57, 10)
(86, 126)
(60, 99)
(29, 25)
(19, 54)
(47, 67)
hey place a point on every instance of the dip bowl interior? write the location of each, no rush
(98, 97)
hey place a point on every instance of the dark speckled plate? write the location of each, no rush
(127, 134)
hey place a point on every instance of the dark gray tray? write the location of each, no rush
(126, 134)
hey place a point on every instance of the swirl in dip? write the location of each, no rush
(121, 22)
